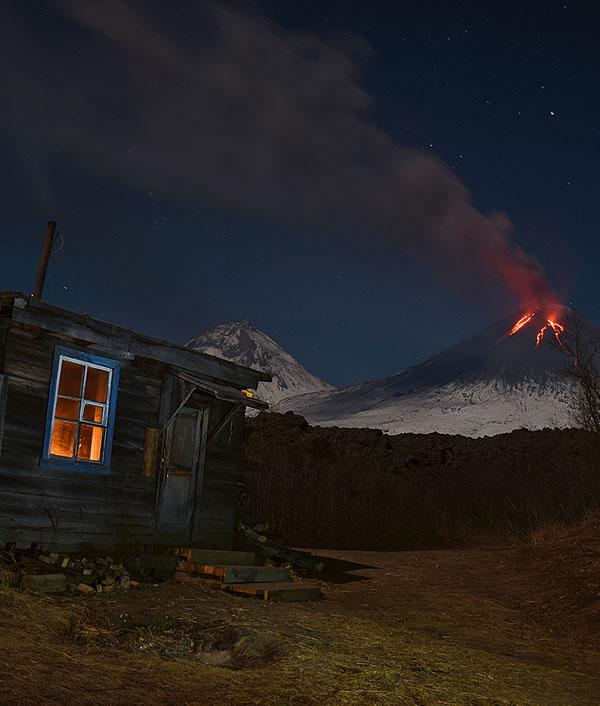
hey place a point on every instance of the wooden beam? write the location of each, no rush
(214, 433)
(239, 573)
(123, 343)
(276, 592)
(111, 343)
(221, 392)
(196, 362)
(196, 528)
(220, 556)
(182, 404)
(43, 266)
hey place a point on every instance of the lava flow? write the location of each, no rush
(523, 321)
(556, 328)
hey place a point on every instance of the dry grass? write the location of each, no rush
(38, 615)
(426, 629)
(545, 533)
(565, 561)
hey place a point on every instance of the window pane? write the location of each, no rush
(96, 386)
(67, 408)
(90, 443)
(93, 413)
(63, 439)
(71, 376)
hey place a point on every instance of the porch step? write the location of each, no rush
(287, 592)
(237, 574)
(219, 557)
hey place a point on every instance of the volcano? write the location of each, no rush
(503, 378)
(243, 343)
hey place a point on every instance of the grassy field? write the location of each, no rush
(460, 627)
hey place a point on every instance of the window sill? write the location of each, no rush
(60, 464)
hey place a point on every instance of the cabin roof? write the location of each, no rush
(126, 342)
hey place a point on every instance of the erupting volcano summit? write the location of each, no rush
(511, 375)
(550, 322)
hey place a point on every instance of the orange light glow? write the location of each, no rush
(90, 443)
(63, 438)
(540, 334)
(556, 328)
(523, 321)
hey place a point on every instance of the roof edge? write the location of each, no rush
(87, 320)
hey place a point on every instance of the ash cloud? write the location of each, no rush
(224, 105)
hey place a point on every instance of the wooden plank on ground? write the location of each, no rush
(220, 557)
(183, 577)
(254, 574)
(237, 574)
(276, 592)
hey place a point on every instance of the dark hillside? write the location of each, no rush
(362, 489)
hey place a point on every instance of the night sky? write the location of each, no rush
(327, 169)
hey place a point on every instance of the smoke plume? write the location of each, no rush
(224, 105)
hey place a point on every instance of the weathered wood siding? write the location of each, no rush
(68, 508)
(220, 488)
(4, 322)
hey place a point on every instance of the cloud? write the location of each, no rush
(224, 105)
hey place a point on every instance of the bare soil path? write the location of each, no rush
(478, 625)
(457, 627)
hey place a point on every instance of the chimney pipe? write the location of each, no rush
(43, 266)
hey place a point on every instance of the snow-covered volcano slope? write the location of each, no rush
(242, 343)
(488, 384)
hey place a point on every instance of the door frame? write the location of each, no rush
(200, 472)
(201, 408)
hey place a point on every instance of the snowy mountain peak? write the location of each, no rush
(490, 383)
(243, 343)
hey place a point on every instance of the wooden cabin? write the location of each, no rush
(108, 436)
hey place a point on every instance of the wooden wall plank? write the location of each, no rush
(4, 326)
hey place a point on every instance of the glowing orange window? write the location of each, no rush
(81, 411)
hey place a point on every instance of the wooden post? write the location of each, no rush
(43, 266)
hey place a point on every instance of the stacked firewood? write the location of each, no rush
(52, 572)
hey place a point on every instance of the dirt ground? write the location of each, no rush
(458, 627)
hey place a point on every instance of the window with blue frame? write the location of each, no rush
(81, 411)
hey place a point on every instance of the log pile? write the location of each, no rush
(293, 557)
(51, 572)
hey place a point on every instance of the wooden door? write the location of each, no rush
(183, 465)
